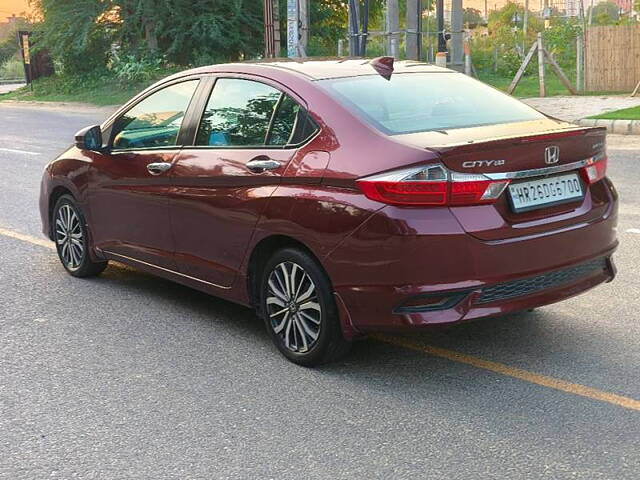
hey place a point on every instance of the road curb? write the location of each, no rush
(620, 127)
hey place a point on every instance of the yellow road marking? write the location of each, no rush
(518, 373)
(454, 356)
(27, 238)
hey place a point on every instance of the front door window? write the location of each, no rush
(156, 120)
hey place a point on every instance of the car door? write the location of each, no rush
(130, 183)
(248, 133)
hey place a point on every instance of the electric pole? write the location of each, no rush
(456, 32)
(414, 27)
(271, 28)
(354, 28)
(297, 28)
(442, 42)
(392, 27)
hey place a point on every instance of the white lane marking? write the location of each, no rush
(27, 238)
(632, 230)
(23, 152)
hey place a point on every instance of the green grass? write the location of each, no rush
(528, 86)
(97, 89)
(105, 89)
(632, 113)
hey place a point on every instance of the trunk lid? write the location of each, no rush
(518, 147)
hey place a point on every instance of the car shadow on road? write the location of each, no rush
(520, 338)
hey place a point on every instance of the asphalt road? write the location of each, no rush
(127, 376)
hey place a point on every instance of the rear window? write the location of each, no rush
(419, 102)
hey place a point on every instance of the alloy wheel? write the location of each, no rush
(69, 237)
(293, 307)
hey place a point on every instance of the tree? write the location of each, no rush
(328, 22)
(472, 16)
(192, 31)
(605, 13)
(76, 32)
(79, 33)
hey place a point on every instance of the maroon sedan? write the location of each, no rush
(339, 197)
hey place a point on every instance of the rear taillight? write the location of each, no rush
(596, 169)
(432, 185)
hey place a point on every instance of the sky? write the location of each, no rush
(7, 7)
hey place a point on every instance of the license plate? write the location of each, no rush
(545, 192)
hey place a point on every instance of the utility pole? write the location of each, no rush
(414, 16)
(546, 13)
(304, 25)
(456, 33)
(442, 43)
(392, 24)
(271, 28)
(441, 54)
(525, 21)
(354, 28)
(365, 29)
(297, 25)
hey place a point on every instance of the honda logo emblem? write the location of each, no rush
(552, 154)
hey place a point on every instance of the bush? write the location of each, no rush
(12, 69)
(8, 48)
(560, 41)
(131, 68)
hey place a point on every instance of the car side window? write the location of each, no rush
(284, 122)
(291, 124)
(156, 120)
(237, 114)
(245, 113)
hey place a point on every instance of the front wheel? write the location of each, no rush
(299, 310)
(72, 240)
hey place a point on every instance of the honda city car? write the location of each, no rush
(339, 197)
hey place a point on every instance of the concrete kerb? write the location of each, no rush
(619, 127)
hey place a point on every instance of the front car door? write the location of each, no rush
(247, 135)
(129, 185)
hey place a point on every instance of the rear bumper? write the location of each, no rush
(434, 257)
(469, 304)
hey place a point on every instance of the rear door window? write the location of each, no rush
(246, 113)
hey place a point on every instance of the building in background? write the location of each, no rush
(625, 6)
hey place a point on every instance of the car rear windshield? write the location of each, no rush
(419, 102)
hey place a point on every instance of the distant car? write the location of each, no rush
(339, 198)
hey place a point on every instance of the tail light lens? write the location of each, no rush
(432, 185)
(596, 169)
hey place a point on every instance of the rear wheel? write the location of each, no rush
(70, 235)
(299, 310)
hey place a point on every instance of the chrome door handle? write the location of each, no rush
(158, 168)
(258, 165)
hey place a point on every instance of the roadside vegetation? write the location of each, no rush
(105, 51)
(94, 89)
(632, 113)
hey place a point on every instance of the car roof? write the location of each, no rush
(316, 69)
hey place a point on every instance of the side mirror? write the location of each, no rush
(89, 138)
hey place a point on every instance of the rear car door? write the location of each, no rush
(248, 133)
(130, 183)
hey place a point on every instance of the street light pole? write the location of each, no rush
(442, 43)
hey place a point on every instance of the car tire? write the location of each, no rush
(70, 234)
(299, 309)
